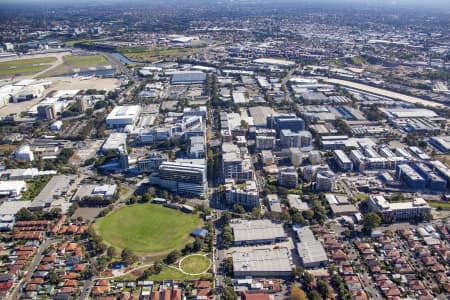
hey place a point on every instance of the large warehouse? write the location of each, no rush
(310, 250)
(122, 116)
(188, 78)
(252, 232)
(263, 263)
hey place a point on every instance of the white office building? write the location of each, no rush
(122, 116)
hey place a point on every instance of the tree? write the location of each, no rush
(308, 280)
(229, 294)
(238, 209)
(197, 245)
(297, 293)
(146, 198)
(128, 257)
(111, 252)
(256, 213)
(323, 289)
(371, 221)
(228, 266)
(314, 295)
(172, 257)
(25, 215)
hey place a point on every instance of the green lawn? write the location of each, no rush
(25, 66)
(174, 274)
(436, 204)
(35, 186)
(147, 229)
(25, 62)
(85, 60)
(195, 264)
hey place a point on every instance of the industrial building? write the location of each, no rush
(8, 211)
(310, 250)
(188, 77)
(398, 211)
(54, 193)
(24, 153)
(104, 191)
(114, 142)
(432, 180)
(245, 194)
(271, 263)
(24, 174)
(442, 143)
(257, 232)
(12, 188)
(342, 160)
(122, 116)
(410, 176)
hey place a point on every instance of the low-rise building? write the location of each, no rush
(342, 160)
(310, 250)
(410, 176)
(398, 211)
(256, 232)
(12, 188)
(54, 193)
(122, 116)
(272, 263)
(273, 202)
(24, 153)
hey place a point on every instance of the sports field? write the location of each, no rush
(147, 229)
(24, 66)
(195, 264)
(85, 60)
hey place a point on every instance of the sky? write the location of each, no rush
(445, 4)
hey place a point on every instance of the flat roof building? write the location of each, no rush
(122, 116)
(188, 78)
(182, 176)
(342, 160)
(274, 263)
(295, 201)
(12, 188)
(114, 142)
(56, 190)
(104, 191)
(251, 232)
(310, 250)
(398, 211)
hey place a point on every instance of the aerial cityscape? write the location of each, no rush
(246, 149)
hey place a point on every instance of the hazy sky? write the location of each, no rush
(430, 3)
